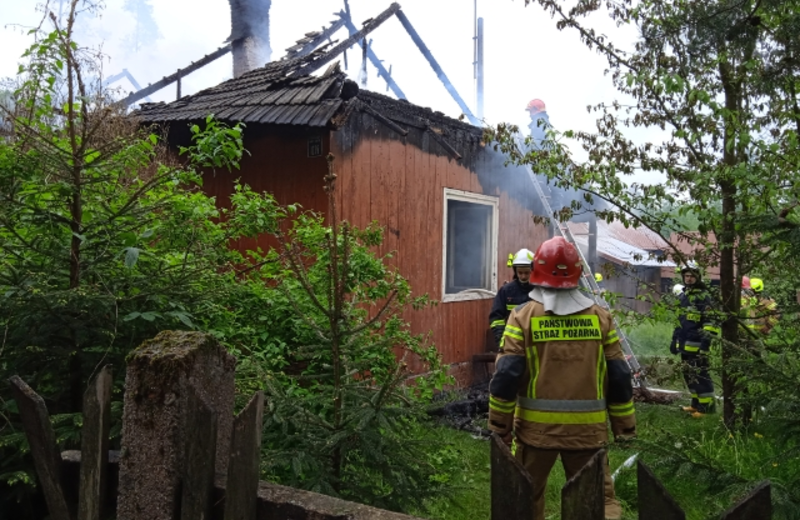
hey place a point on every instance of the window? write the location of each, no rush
(470, 246)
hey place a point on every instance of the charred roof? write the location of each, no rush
(276, 94)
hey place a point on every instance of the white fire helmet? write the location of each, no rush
(523, 257)
(677, 289)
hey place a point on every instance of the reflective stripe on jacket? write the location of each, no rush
(558, 368)
(696, 328)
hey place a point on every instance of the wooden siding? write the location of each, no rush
(399, 182)
(278, 164)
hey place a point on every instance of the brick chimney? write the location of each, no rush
(249, 34)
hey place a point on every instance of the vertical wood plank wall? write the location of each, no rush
(399, 181)
(278, 164)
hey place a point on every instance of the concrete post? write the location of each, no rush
(161, 373)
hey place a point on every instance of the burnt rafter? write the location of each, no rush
(172, 78)
(437, 136)
(383, 119)
(329, 56)
(313, 40)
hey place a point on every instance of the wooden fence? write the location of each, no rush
(582, 497)
(170, 466)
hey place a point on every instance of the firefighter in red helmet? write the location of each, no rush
(560, 376)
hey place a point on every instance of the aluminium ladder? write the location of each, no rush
(587, 278)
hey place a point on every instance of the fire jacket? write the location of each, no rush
(697, 325)
(508, 297)
(760, 312)
(558, 380)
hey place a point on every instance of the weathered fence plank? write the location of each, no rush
(511, 487)
(654, 501)
(94, 446)
(201, 445)
(42, 440)
(756, 505)
(243, 469)
(583, 497)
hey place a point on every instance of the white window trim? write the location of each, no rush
(475, 198)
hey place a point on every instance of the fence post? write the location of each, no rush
(241, 488)
(200, 454)
(583, 496)
(757, 504)
(42, 441)
(94, 446)
(654, 501)
(512, 487)
(162, 373)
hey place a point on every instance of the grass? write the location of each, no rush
(681, 452)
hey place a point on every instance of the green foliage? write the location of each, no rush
(104, 241)
(718, 82)
(342, 419)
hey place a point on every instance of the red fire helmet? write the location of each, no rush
(556, 265)
(746, 282)
(536, 106)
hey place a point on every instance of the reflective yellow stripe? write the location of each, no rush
(560, 417)
(566, 328)
(501, 406)
(533, 353)
(713, 330)
(688, 348)
(704, 400)
(509, 333)
(612, 337)
(497, 323)
(511, 306)
(601, 372)
(621, 410)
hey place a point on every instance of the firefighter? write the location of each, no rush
(692, 340)
(767, 313)
(560, 374)
(512, 293)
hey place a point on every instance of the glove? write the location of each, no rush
(673, 348)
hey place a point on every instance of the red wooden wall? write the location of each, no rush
(399, 181)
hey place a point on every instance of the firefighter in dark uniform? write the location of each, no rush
(692, 340)
(511, 294)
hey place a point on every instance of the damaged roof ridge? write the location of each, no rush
(415, 115)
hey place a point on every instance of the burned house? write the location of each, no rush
(450, 210)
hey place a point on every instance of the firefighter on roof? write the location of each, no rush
(511, 294)
(692, 340)
(559, 376)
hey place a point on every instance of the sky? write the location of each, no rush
(526, 57)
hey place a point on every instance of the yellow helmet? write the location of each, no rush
(757, 284)
(598, 277)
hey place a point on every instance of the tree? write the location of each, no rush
(719, 77)
(343, 419)
(105, 239)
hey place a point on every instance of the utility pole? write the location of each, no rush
(477, 62)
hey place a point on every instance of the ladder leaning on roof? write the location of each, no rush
(587, 278)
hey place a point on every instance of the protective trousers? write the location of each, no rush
(539, 461)
(695, 373)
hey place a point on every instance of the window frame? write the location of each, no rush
(473, 198)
